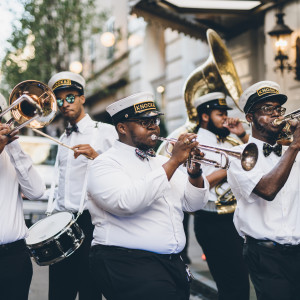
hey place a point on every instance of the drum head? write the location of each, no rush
(48, 227)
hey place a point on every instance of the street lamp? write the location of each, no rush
(281, 34)
(76, 67)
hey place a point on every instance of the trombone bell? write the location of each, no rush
(32, 103)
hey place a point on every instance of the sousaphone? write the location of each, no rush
(217, 74)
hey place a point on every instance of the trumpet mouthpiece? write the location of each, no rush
(277, 122)
(154, 137)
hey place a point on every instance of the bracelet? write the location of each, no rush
(196, 175)
(242, 135)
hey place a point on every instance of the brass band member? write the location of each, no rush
(71, 275)
(213, 225)
(137, 203)
(17, 176)
(268, 198)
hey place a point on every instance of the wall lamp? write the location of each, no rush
(281, 34)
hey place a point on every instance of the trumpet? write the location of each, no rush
(248, 157)
(291, 116)
(286, 135)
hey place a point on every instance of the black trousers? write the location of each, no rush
(71, 275)
(223, 248)
(275, 274)
(15, 271)
(125, 274)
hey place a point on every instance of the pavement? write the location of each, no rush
(202, 288)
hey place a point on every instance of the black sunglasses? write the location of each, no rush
(69, 98)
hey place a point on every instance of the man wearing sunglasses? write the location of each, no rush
(268, 198)
(137, 203)
(89, 138)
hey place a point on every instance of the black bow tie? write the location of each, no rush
(70, 129)
(267, 149)
(144, 154)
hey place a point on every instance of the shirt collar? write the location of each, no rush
(260, 144)
(125, 149)
(207, 133)
(83, 123)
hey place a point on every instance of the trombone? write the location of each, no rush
(32, 104)
(248, 157)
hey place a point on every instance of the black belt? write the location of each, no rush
(13, 247)
(171, 256)
(287, 248)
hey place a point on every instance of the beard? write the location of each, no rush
(221, 132)
(263, 131)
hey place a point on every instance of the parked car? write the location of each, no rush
(43, 154)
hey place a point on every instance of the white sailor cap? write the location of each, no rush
(140, 105)
(261, 91)
(214, 100)
(67, 80)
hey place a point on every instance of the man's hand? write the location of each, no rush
(183, 147)
(234, 125)
(296, 137)
(4, 138)
(85, 149)
(194, 167)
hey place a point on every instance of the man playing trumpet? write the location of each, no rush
(213, 224)
(137, 204)
(268, 198)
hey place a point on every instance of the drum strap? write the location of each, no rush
(50, 206)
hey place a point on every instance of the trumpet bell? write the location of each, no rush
(249, 157)
(24, 111)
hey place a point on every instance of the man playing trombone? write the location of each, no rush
(17, 176)
(268, 198)
(137, 203)
(213, 224)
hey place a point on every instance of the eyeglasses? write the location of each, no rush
(146, 123)
(69, 98)
(269, 110)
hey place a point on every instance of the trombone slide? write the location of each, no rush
(57, 141)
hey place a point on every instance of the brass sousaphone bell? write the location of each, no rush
(216, 74)
(31, 103)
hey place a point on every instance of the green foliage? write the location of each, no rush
(43, 39)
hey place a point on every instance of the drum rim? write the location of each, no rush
(61, 257)
(55, 235)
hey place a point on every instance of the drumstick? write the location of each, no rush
(57, 141)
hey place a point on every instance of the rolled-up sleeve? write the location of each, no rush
(195, 198)
(115, 192)
(31, 183)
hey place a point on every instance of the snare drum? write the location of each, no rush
(54, 238)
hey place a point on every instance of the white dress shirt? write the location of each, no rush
(17, 176)
(277, 220)
(72, 171)
(133, 204)
(208, 138)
